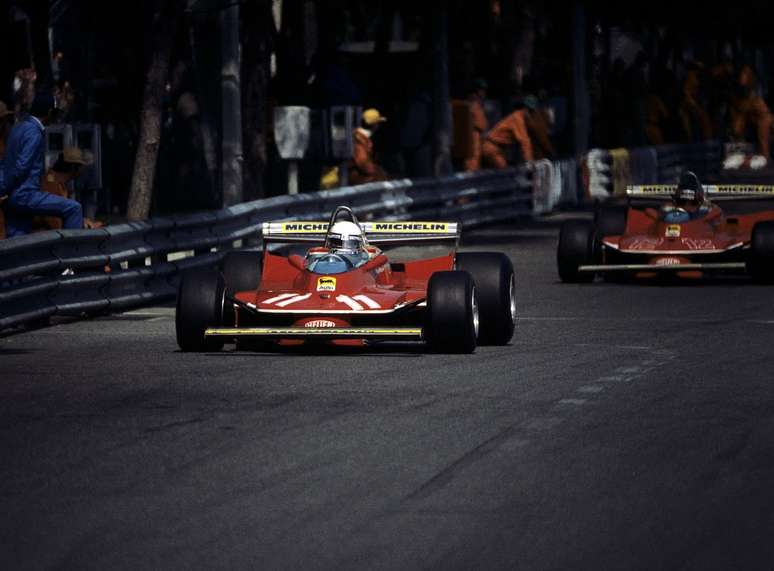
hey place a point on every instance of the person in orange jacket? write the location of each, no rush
(480, 124)
(694, 119)
(749, 108)
(518, 128)
(362, 167)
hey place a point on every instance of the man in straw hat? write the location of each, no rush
(363, 168)
(56, 181)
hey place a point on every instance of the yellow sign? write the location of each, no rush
(673, 231)
(326, 283)
(409, 227)
(305, 227)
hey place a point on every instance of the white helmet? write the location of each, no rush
(345, 237)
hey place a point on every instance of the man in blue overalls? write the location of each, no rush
(24, 164)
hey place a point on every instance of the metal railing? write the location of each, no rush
(83, 272)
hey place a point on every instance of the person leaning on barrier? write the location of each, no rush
(362, 167)
(24, 163)
(518, 128)
(748, 109)
(480, 124)
(6, 122)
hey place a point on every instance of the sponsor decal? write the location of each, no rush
(301, 227)
(668, 261)
(672, 231)
(699, 244)
(326, 283)
(410, 227)
(320, 323)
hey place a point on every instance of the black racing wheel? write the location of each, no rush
(576, 244)
(495, 284)
(199, 306)
(451, 321)
(760, 263)
(241, 272)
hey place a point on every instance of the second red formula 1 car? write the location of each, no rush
(674, 230)
(343, 289)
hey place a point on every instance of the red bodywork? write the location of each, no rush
(716, 237)
(378, 293)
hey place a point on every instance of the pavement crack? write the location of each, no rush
(442, 478)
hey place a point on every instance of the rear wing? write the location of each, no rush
(376, 232)
(716, 191)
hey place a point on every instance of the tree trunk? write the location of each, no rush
(165, 24)
(442, 123)
(231, 112)
(256, 35)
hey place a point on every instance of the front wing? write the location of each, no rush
(327, 333)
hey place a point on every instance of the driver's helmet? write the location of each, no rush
(345, 237)
(689, 190)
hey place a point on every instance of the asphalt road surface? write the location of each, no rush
(627, 426)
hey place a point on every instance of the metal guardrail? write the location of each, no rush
(83, 272)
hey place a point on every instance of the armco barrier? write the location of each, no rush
(129, 265)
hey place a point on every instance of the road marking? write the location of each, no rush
(545, 423)
(574, 402)
(591, 389)
(628, 347)
(152, 312)
(629, 370)
(613, 379)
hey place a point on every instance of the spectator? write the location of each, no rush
(6, 122)
(520, 127)
(24, 164)
(67, 168)
(362, 167)
(694, 119)
(480, 124)
(749, 110)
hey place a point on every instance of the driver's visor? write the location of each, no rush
(337, 241)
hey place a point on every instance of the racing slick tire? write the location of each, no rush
(199, 306)
(452, 320)
(610, 220)
(576, 239)
(760, 263)
(495, 283)
(241, 272)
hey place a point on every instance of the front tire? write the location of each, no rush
(452, 313)
(241, 272)
(760, 263)
(199, 306)
(495, 283)
(576, 239)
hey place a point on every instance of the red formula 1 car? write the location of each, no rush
(344, 290)
(674, 230)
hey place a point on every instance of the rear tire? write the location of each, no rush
(760, 263)
(576, 239)
(452, 313)
(199, 306)
(495, 283)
